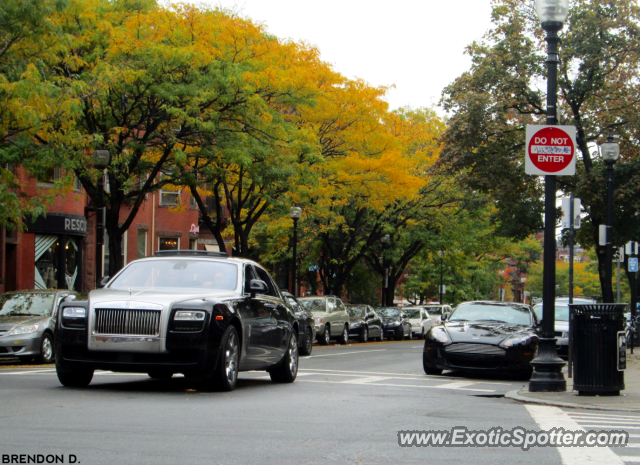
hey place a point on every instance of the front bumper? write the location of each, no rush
(514, 359)
(24, 345)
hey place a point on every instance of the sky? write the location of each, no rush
(416, 45)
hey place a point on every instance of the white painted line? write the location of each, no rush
(432, 378)
(633, 446)
(629, 459)
(346, 353)
(391, 385)
(370, 379)
(552, 417)
(458, 385)
(605, 420)
(607, 426)
(36, 372)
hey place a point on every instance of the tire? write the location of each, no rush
(410, 336)
(307, 347)
(344, 337)
(74, 378)
(433, 371)
(400, 334)
(325, 338)
(287, 371)
(46, 350)
(364, 336)
(422, 335)
(160, 375)
(381, 338)
(225, 376)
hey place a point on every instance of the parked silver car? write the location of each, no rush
(27, 323)
(332, 319)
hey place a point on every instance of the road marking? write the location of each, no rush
(605, 426)
(553, 417)
(628, 458)
(458, 385)
(370, 379)
(392, 385)
(29, 372)
(603, 415)
(415, 376)
(345, 353)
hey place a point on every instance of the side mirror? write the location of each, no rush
(257, 286)
(103, 282)
(445, 316)
(404, 315)
(368, 316)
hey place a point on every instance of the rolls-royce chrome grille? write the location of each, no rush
(127, 322)
(481, 349)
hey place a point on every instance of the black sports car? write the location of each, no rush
(201, 314)
(396, 323)
(306, 324)
(364, 323)
(495, 336)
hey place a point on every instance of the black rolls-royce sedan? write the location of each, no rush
(201, 314)
(491, 336)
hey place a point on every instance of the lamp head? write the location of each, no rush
(296, 212)
(610, 150)
(552, 11)
(101, 159)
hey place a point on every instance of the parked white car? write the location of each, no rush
(424, 317)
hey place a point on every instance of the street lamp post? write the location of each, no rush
(441, 253)
(547, 375)
(385, 278)
(524, 298)
(296, 212)
(100, 162)
(610, 153)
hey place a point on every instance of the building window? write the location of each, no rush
(193, 244)
(142, 244)
(77, 185)
(50, 176)
(169, 243)
(170, 197)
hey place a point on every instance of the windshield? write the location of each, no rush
(561, 311)
(178, 274)
(488, 312)
(412, 312)
(28, 304)
(434, 310)
(389, 312)
(357, 311)
(314, 305)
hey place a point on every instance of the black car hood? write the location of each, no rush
(486, 333)
(393, 319)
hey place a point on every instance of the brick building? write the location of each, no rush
(58, 250)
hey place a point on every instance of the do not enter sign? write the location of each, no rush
(551, 150)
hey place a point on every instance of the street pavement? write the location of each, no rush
(346, 407)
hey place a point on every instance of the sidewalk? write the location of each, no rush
(628, 400)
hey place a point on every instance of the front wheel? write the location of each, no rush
(344, 338)
(307, 347)
(400, 333)
(325, 338)
(74, 378)
(288, 369)
(46, 350)
(364, 336)
(225, 376)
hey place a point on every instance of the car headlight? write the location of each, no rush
(440, 335)
(565, 334)
(318, 320)
(515, 341)
(357, 324)
(26, 329)
(393, 323)
(188, 315)
(74, 312)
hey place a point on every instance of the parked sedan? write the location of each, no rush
(332, 319)
(201, 314)
(419, 319)
(483, 336)
(396, 323)
(306, 324)
(364, 323)
(27, 323)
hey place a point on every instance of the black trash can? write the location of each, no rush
(598, 367)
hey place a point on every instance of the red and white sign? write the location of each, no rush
(551, 150)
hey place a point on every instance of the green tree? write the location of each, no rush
(598, 90)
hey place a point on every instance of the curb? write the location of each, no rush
(515, 395)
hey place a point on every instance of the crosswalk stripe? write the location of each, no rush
(629, 459)
(553, 417)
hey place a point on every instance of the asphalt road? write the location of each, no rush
(346, 407)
